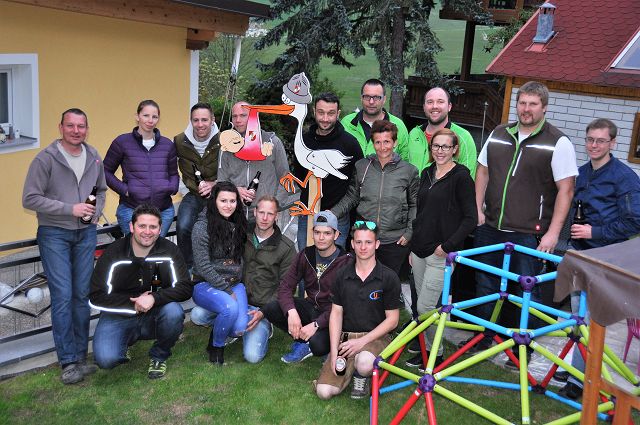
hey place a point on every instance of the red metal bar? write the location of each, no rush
(514, 359)
(554, 366)
(407, 406)
(375, 393)
(431, 408)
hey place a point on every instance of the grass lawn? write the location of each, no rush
(194, 391)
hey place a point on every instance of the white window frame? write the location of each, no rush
(24, 100)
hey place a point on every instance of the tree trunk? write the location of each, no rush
(397, 59)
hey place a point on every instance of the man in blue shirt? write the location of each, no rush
(610, 195)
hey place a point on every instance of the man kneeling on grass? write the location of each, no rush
(137, 285)
(366, 308)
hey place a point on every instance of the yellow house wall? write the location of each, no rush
(102, 65)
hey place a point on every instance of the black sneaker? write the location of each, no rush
(87, 368)
(414, 346)
(415, 361)
(571, 391)
(561, 375)
(361, 387)
(157, 369)
(71, 374)
(439, 360)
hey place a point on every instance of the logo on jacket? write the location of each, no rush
(375, 295)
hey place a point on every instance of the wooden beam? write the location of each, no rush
(467, 50)
(161, 12)
(199, 39)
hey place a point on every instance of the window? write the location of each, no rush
(19, 101)
(629, 59)
(634, 146)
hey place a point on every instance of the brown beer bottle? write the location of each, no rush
(341, 362)
(578, 217)
(156, 283)
(91, 200)
(253, 186)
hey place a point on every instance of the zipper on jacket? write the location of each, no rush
(516, 154)
(380, 197)
(315, 298)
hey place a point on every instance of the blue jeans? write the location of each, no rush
(343, 227)
(124, 213)
(188, 211)
(67, 259)
(254, 343)
(521, 264)
(116, 332)
(232, 318)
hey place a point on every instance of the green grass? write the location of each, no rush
(196, 392)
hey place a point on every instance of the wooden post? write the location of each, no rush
(313, 191)
(592, 374)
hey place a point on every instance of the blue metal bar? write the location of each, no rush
(483, 382)
(487, 268)
(550, 328)
(476, 301)
(480, 250)
(538, 254)
(396, 386)
(487, 324)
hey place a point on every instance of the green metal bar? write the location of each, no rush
(437, 340)
(524, 385)
(471, 406)
(457, 367)
(400, 372)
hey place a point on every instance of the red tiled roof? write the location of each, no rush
(589, 37)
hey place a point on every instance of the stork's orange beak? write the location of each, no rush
(271, 109)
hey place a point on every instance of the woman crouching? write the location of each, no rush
(218, 240)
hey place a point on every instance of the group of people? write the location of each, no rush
(409, 196)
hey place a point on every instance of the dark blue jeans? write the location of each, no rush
(520, 263)
(67, 259)
(116, 332)
(188, 211)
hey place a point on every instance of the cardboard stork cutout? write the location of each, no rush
(296, 95)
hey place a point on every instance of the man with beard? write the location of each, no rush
(524, 187)
(359, 123)
(437, 105)
(328, 133)
(137, 285)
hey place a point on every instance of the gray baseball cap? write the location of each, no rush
(326, 218)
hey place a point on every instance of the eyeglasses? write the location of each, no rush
(360, 224)
(591, 140)
(368, 98)
(443, 148)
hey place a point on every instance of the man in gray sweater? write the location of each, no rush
(59, 181)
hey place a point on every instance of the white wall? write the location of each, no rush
(572, 112)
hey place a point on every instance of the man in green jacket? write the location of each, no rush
(437, 105)
(198, 150)
(268, 254)
(359, 123)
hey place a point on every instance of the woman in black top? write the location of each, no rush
(446, 215)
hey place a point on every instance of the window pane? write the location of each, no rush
(4, 97)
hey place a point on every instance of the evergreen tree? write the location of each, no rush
(397, 30)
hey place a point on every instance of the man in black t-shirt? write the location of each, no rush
(366, 308)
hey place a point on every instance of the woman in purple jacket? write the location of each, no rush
(149, 168)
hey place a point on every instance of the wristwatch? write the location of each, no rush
(316, 324)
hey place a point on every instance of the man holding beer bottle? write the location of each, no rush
(61, 177)
(609, 193)
(137, 285)
(366, 308)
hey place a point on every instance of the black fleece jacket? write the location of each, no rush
(446, 211)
